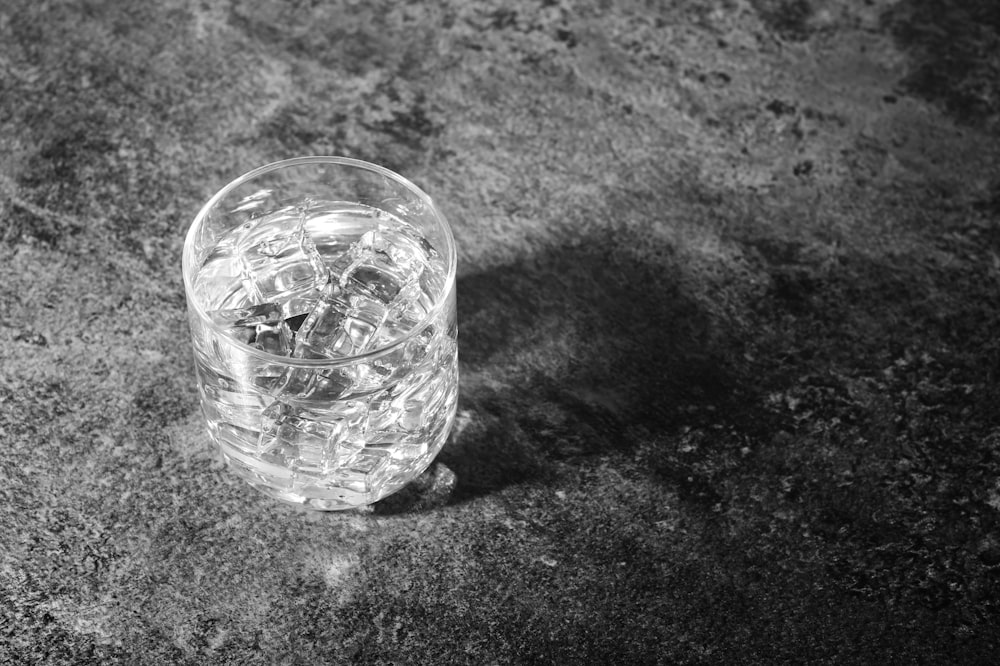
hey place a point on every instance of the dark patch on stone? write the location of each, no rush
(780, 108)
(692, 462)
(33, 405)
(795, 289)
(777, 252)
(811, 113)
(62, 156)
(355, 42)
(292, 126)
(990, 556)
(410, 124)
(71, 150)
(165, 399)
(502, 18)
(395, 124)
(788, 18)
(991, 206)
(715, 79)
(31, 337)
(955, 48)
(567, 37)
(803, 168)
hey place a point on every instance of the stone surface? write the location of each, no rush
(728, 309)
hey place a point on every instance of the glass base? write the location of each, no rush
(424, 485)
(321, 499)
(315, 503)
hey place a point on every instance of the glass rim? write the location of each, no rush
(187, 256)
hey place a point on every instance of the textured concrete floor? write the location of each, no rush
(728, 307)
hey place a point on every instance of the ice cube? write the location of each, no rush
(298, 305)
(270, 420)
(277, 266)
(383, 411)
(383, 264)
(318, 387)
(323, 323)
(372, 301)
(422, 395)
(362, 321)
(301, 385)
(255, 469)
(398, 445)
(341, 325)
(234, 437)
(400, 244)
(370, 241)
(274, 339)
(265, 313)
(262, 326)
(269, 377)
(307, 441)
(400, 320)
(371, 281)
(432, 280)
(235, 407)
(366, 471)
(382, 292)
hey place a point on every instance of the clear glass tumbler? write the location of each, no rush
(321, 299)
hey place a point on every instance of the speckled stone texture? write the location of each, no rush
(728, 301)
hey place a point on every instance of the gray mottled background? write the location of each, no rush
(728, 301)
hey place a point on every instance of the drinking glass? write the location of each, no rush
(321, 301)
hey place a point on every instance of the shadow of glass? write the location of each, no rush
(568, 353)
(431, 490)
